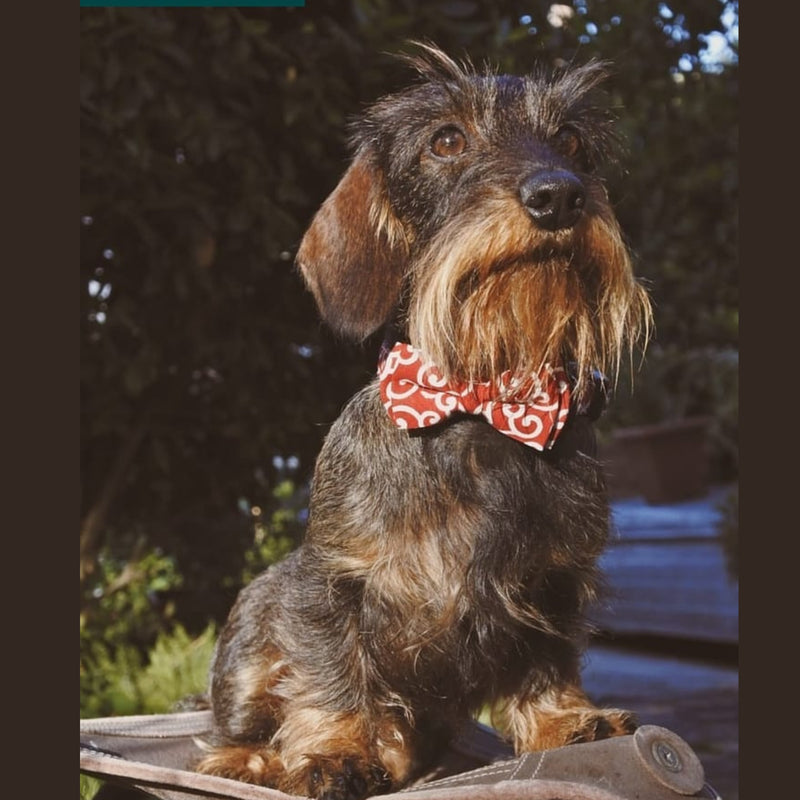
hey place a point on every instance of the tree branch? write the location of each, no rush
(94, 522)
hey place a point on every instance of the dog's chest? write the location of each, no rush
(453, 541)
(434, 506)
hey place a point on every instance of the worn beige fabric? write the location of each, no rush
(155, 752)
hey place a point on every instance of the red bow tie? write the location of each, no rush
(416, 395)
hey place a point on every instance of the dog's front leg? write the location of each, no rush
(322, 753)
(561, 715)
(343, 755)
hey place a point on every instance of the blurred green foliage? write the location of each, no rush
(278, 533)
(129, 599)
(118, 679)
(129, 606)
(208, 139)
(89, 787)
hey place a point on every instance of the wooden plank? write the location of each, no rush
(667, 574)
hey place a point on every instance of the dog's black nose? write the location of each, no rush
(554, 199)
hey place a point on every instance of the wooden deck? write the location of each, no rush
(670, 650)
(667, 573)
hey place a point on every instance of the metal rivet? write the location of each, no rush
(666, 756)
(668, 759)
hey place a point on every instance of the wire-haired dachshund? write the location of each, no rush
(457, 509)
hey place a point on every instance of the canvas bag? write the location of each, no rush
(154, 753)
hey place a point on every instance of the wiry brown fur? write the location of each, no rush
(448, 568)
(496, 275)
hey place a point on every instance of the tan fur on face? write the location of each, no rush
(494, 293)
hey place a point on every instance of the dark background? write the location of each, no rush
(208, 139)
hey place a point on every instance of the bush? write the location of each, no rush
(136, 656)
(129, 601)
(119, 680)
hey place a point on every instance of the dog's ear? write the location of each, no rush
(354, 255)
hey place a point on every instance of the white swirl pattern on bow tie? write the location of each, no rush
(415, 394)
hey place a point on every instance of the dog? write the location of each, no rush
(457, 508)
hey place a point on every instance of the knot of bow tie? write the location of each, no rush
(416, 395)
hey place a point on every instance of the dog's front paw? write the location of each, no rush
(259, 766)
(603, 724)
(337, 778)
(563, 715)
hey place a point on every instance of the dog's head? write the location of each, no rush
(474, 205)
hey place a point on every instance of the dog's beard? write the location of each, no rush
(492, 293)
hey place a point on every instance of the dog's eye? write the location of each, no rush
(568, 142)
(448, 142)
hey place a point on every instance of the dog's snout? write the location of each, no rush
(554, 199)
